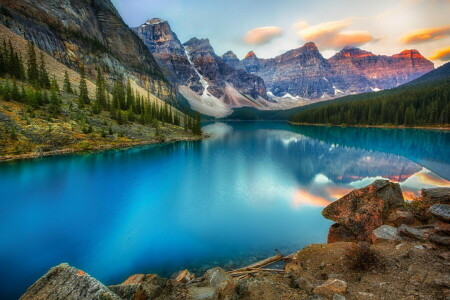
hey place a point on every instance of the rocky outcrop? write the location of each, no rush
(85, 32)
(65, 282)
(357, 71)
(305, 73)
(300, 72)
(363, 210)
(436, 195)
(194, 65)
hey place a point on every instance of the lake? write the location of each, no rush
(252, 190)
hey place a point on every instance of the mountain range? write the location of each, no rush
(215, 85)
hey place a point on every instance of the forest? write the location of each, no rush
(422, 102)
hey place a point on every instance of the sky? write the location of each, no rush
(272, 27)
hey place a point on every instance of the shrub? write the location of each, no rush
(362, 257)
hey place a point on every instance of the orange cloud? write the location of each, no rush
(262, 35)
(441, 54)
(300, 25)
(330, 35)
(425, 35)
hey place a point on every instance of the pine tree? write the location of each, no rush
(54, 85)
(130, 97)
(100, 93)
(32, 71)
(15, 94)
(67, 85)
(83, 97)
(55, 103)
(44, 79)
(197, 129)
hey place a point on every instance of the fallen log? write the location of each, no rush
(255, 270)
(262, 263)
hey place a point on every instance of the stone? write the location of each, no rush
(443, 228)
(440, 240)
(441, 211)
(140, 287)
(202, 293)
(440, 195)
(340, 233)
(364, 296)
(399, 217)
(385, 233)
(445, 255)
(338, 297)
(222, 281)
(411, 232)
(66, 282)
(183, 276)
(363, 210)
(292, 267)
(304, 284)
(331, 287)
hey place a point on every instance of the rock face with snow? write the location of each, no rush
(210, 85)
(357, 71)
(305, 73)
(300, 72)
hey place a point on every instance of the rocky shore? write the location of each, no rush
(380, 247)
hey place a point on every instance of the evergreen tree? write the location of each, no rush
(44, 79)
(32, 71)
(100, 93)
(55, 103)
(196, 129)
(67, 85)
(15, 94)
(54, 85)
(83, 97)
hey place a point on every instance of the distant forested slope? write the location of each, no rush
(422, 102)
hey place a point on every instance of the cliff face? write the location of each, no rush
(357, 71)
(84, 32)
(211, 86)
(300, 72)
(305, 73)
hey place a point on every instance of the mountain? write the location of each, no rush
(89, 33)
(422, 102)
(303, 73)
(357, 71)
(437, 80)
(209, 84)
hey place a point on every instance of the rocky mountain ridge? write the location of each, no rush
(89, 33)
(304, 73)
(209, 84)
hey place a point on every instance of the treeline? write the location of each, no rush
(425, 104)
(122, 102)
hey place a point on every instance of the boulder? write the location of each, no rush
(222, 282)
(411, 232)
(399, 217)
(331, 287)
(66, 282)
(340, 233)
(441, 212)
(385, 233)
(140, 287)
(363, 210)
(202, 293)
(440, 195)
(443, 227)
(183, 276)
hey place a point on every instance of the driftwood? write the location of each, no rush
(181, 276)
(255, 270)
(260, 264)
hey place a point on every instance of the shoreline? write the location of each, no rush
(98, 149)
(371, 126)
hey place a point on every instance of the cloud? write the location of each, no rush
(300, 25)
(262, 35)
(331, 35)
(425, 35)
(441, 54)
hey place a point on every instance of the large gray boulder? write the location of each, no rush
(441, 211)
(69, 283)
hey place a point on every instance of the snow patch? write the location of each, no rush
(375, 89)
(205, 103)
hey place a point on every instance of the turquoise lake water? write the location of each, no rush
(250, 191)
